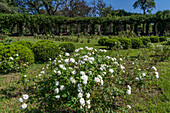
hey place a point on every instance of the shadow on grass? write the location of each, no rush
(8, 92)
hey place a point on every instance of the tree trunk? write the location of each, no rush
(110, 29)
(99, 29)
(147, 28)
(136, 29)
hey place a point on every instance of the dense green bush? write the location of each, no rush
(1, 46)
(102, 41)
(112, 43)
(44, 50)
(25, 43)
(145, 40)
(125, 43)
(25, 54)
(67, 47)
(154, 39)
(136, 43)
(162, 38)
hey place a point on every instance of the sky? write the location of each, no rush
(127, 5)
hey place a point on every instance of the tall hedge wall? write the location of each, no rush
(44, 23)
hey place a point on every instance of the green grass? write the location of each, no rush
(155, 99)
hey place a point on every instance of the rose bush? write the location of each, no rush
(86, 80)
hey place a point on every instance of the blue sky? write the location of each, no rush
(127, 5)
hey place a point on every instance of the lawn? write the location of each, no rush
(153, 99)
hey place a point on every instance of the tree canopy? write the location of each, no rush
(145, 5)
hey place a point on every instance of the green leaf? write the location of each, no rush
(64, 95)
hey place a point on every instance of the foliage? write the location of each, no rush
(145, 5)
(154, 39)
(125, 42)
(54, 24)
(43, 50)
(1, 46)
(145, 40)
(136, 43)
(102, 41)
(67, 47)
(26, 55)
(160, 52)
(112, 43)
(12, 64)
(5, 8)
(25, 43)
(86, 81)
(162, 38)
(4, 40)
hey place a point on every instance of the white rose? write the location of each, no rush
(111, 70)
(20, 100)
(80, 95)
(72, 60)
(67, 54)
(57, 83)
(88, 95)
(57, 96)
(25, 96)
(128, 92)
(82, 101)
(62, 87)
(23, 106)
(56, 90)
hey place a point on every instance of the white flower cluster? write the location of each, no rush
(11, 58)
(103, 50)
(156, 72)
(74, 68)
(84, 77)
(21, 100)
(129, 90)
(62, 87)
(98, 79)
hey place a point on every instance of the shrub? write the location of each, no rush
(67, 47)
(145, 40)
(112, 43)
(86, 81)
(25, 43)
(102, 41)
(125, 43)
(26, 55)
(162, 38)
(136, 43)
(44, 50)
(154, 39)
(1, 46)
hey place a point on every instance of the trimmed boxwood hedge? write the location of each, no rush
(145, 40)
(136, 43)
(154, 39)
(67, 47)
(125, 43)
(25, 54)
(162, 38)
(1, 46)
(112, 43)
(102, 41)
(25, 43)
(43, 50)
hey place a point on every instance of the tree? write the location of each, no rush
(145, 5)
(97, 7)
(74, 8)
